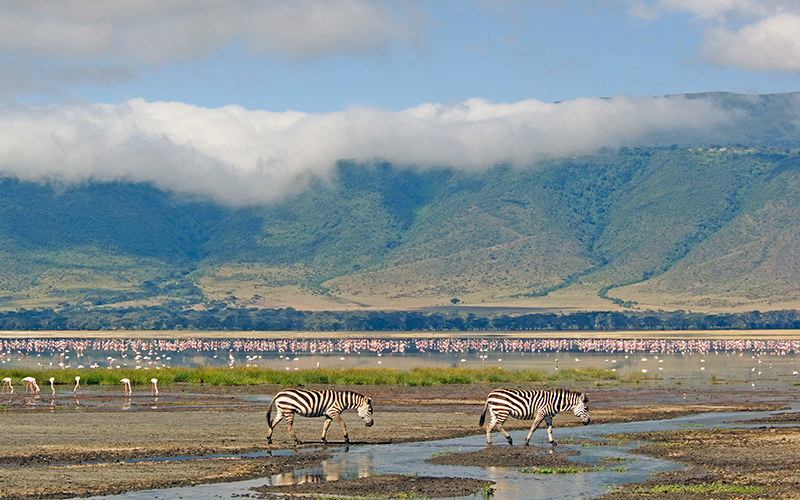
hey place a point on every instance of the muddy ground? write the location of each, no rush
(61, 446)
(724, 463)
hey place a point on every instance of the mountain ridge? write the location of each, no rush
(688, 225)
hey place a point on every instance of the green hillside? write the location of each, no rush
(670, 225)
(678, 226)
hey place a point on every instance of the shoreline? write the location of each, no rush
(539, 334)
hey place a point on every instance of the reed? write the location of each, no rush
(242, 376)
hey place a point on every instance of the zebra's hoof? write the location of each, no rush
(553, 443)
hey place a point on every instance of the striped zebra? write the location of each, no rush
(327, 403)
(527, 404)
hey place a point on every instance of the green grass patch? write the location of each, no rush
(237, 376)
(561, 470)
(703, 488)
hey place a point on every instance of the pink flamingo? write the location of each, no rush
(52, 379)
(32, 385)
(154, 387)
(127, 383)
(77, 387)
(7, 383)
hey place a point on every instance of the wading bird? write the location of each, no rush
(77, 387)
(127, 384)
(32, 385)
(154, 387)
(7, 384)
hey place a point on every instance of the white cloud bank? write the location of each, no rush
(760, 35)
(238, 156)
(770, 44)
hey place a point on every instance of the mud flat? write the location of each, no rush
(384, 486)
(197, 434)
(723, 463)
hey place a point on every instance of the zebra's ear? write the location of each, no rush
(585, 398)
(369, 401)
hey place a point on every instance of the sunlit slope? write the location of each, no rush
(752, 261)
(482, 236)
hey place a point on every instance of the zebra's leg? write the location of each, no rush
(289, 421)
(273, 423)
(549, 422)
(338, 418)
(536, 423)
(489, 426)
(325, 429)
(495, 421)
(498, 423)
(506, 434)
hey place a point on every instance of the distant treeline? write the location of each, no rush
(289, 319)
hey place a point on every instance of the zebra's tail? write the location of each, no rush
(269, 415)
(483, 415)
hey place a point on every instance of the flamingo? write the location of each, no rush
(154, 387)
(52, 379)
(127, 383)
(7, 383)
(77, 387)
(32, 385)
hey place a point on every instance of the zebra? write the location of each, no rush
(309, 403)
(528, 404)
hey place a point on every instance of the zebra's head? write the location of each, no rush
(581, 409)
(365, 411)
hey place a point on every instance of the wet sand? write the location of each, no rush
(70, 450)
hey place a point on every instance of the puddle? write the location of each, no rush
(511, 483)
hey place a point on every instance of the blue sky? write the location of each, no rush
(248, 93)
(438, 51)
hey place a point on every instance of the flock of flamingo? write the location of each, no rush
(157, 353)
(33, 388)
(147, 353)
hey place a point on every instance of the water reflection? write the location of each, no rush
(333, 469)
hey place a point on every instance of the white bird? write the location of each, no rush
(7, 383)
(32, 385)
(154, 387)
(77, 387)
(127, 383)
(52, 379)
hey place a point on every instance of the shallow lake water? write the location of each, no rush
(733, 359)
(511, 483)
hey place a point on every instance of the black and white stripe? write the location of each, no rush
(327, 403)
(527, 404)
